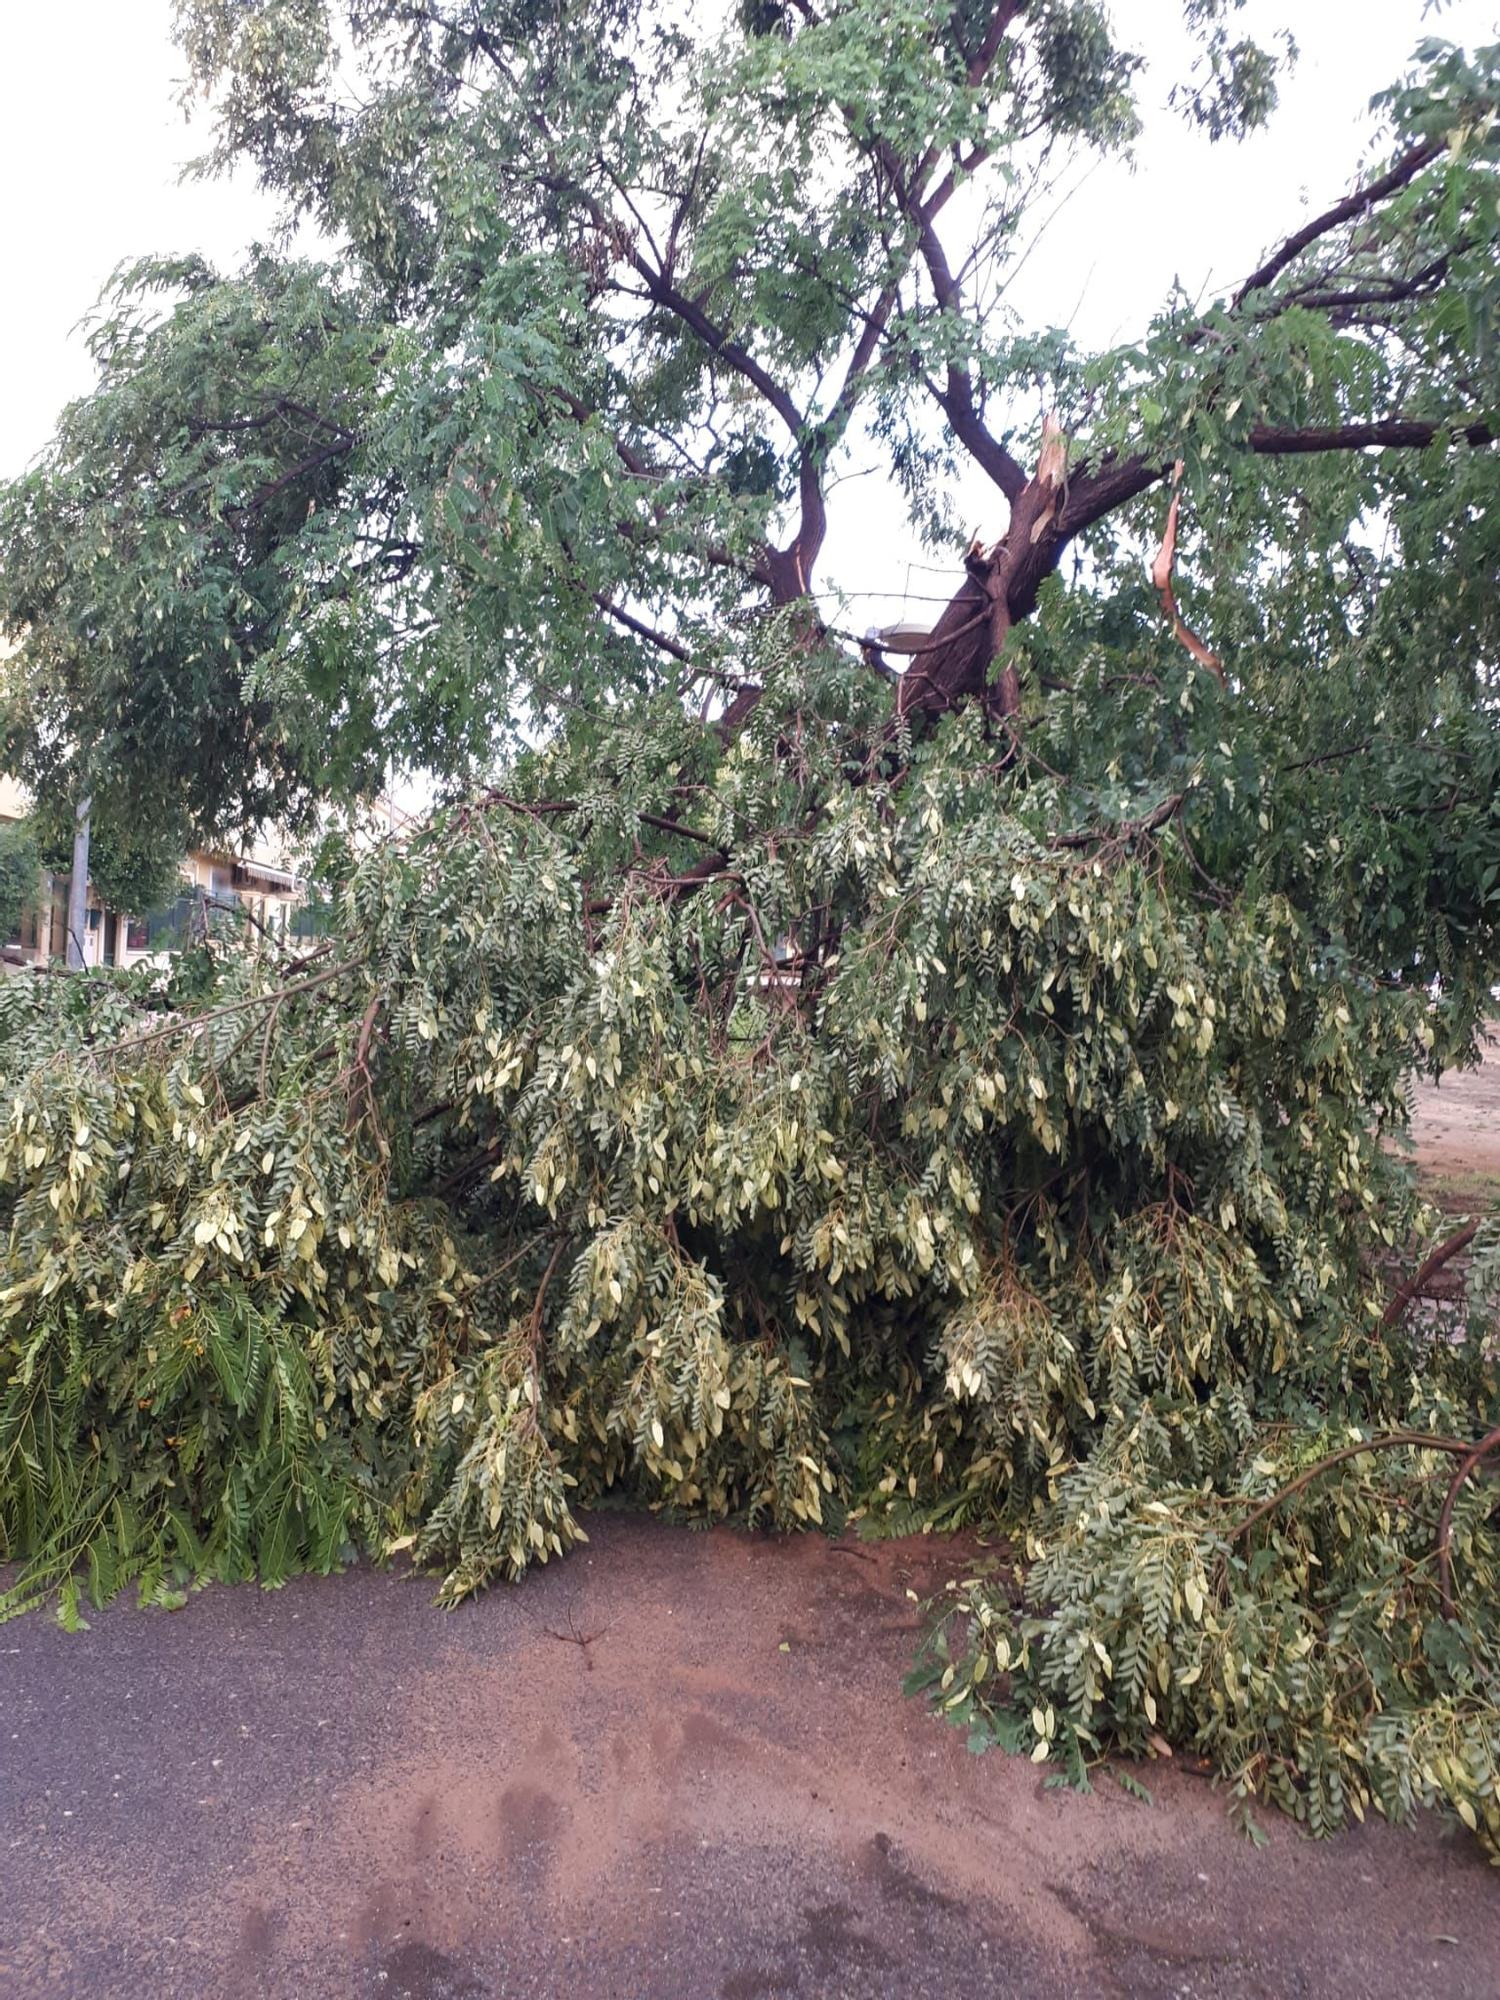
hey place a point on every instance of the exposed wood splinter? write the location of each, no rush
(1161, 578)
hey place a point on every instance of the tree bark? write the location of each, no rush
(965, 657)
(78, 882)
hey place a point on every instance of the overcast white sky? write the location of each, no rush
(92, 143)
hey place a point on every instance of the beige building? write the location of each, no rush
(260, 886)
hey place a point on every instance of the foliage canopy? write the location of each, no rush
(781, 1085)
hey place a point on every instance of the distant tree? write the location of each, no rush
(162, 551)
(135, 858)
(20, 874)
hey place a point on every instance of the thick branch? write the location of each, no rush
(788, 571)
(957, 400)
(1338, 302)
(1127, 830)
(1048, 514)
(960, 408)
(338, 449)
(1422, 1277)
(712, 868)
(661, 640)
(989, 46)
(666, 294)
(188, 1024)
(576, 408)
(1393, 433)
(978, 67)
(1092, 495)
(1406, 168)
(866, 347)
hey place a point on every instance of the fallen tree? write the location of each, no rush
(1045, 1198)
(788, 1088)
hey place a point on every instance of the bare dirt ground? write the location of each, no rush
(675, 1767)
(1456, 1130)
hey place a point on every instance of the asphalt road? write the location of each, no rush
(675, 1767)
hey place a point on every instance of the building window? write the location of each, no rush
(137, 934)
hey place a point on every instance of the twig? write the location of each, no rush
(272, 999)
(541, 1295)
(265, 1048)
(366, 1082)
(1392, 1441)
(545, 808)
(573, 1637)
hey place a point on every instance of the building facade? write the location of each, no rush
(258, 886)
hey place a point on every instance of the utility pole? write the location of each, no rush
(78, 883)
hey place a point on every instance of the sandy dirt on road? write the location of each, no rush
(674, 1767)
